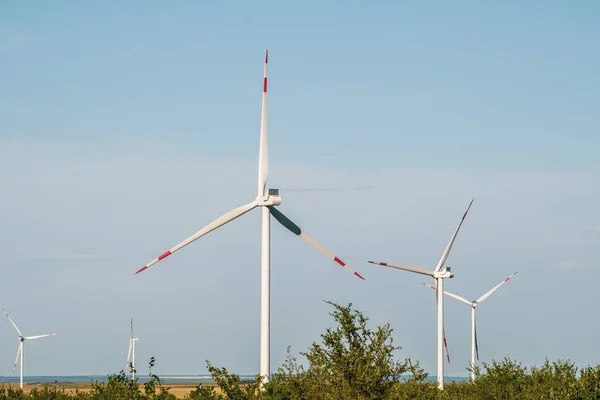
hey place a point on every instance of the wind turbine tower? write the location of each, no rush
(21, 347)
(131, 354)
(439, 274)
(266, 199)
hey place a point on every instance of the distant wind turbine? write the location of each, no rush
(131, 353)
(267, 199)
(473, 304)
(20, 349)
(438, 274)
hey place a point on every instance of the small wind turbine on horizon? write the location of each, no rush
(131, 353)
(267, 199)
(473, 304)
(20, 349)
(438, 274)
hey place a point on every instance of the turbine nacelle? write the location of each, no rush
(445, 272)
(270, 199)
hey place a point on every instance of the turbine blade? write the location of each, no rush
(443, 328)
(263, 155)
(449, 247)
(132, 328)
(128, 354)
(418, 270)
(448, 294)
(446, 345)
(230, 216)
(18, 354)
(459, 298)
(11, 321)
(476, 343)
(485, 296)
(295, 229)
(39, 336)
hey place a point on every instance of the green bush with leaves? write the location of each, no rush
(351, 362)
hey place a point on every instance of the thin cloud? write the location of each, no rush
(69, 256)
(13, 40)
(327, 189)
(591, 231)
(574, 264)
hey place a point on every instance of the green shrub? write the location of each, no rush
(352, 362)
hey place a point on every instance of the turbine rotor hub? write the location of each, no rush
(445, 272)
(270, 199)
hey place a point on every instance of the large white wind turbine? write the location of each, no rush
(131, 354)
(438, 274)
(267, 199)
(473, 304)
(20, 349)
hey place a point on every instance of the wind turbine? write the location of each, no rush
(20, 349)
(131, 353)
(267, 200)
(474, 304)
(438, 274)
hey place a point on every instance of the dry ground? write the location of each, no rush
(179, 389)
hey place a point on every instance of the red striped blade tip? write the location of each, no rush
(378, 263)
(508, 278)
(267, 56)
(468, 208)
(337, 260)
(343, 264)
(141, 269)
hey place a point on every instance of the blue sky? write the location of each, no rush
(124, 128)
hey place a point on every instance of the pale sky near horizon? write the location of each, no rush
(125, 128)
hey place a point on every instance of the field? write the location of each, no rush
(179, 389)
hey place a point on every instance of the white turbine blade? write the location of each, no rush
(18, 354)
(449, 294)
(446, 346)
(418, 270)
(128, 354)
(457, 297)
(485, 296)
(132, 328)
(449, 247)
(231, 215)
(295, 229)
(476, 343)
(444, 329)
(11, 321)
(263, 155)
(39, 336)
